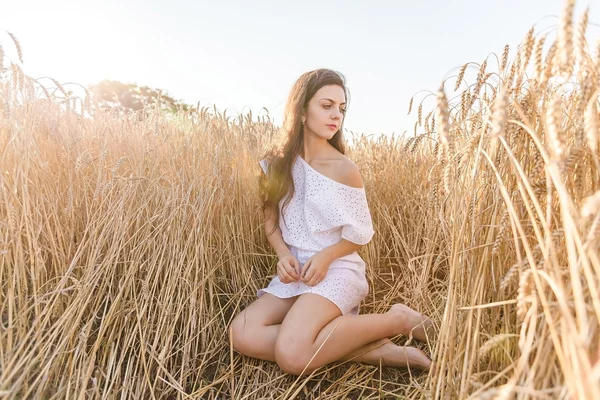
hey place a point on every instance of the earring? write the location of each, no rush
(303, 121)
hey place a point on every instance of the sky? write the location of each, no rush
(246, 55)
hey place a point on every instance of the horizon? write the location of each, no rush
(196, 51)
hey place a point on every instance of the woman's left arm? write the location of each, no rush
(340, 249)
(357, 227)
(316, 267)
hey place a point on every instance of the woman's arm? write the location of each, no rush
(275, 237)
(340, 249)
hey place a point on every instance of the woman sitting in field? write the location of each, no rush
(316, 218)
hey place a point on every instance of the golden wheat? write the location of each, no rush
(128, 242)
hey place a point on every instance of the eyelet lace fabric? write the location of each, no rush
(321, 213)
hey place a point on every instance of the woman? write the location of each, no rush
(316, 218)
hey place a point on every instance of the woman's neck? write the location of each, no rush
(315, 148)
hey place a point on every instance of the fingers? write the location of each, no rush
(306, 269)
(307, 273)
(290, 270)
(284, 275)
(314, 279)
(297, 268)
(311, 276)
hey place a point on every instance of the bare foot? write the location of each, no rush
(428, 331)
(392, 355)
(412, 323)
(370, 353)
(407, 357)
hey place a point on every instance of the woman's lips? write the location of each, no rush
(332, 126)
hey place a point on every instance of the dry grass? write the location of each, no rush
(128, 243)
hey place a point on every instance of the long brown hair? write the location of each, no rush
(282, 153)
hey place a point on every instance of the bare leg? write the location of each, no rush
(254, 332)
(385, 352)
(423, 330)
(379, 352)
(308, 340)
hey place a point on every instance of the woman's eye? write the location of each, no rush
(328, 106)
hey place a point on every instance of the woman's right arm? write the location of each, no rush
(275, 237)
(288, 266)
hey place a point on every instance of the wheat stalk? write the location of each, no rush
(416, 142)
(501, 233)
(461, 75)
(580, 41)
(82, 161)
(508, 277)
(565, 39)
(597, 56)
(504, 57)
(465, 100)
(526, 291)
(493, 342)
(549, 63)
(539, 46)
(17, 46)
(499, 113)
(591, 124)
(426, 122)
(442, 116)
(1, 59)
(553, 128)
(527, 49)
(469, 149)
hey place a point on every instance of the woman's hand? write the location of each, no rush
(288, 268)
(315, 269)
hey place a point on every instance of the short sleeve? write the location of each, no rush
(358, 224)
(263, 165)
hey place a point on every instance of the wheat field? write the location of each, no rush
(129, 241)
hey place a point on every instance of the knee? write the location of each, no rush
(239, 335)
(292, 358)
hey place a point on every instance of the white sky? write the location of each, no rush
(247, 54)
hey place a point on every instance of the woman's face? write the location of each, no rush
(326, 111)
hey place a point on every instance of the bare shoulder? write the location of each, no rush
(348, 173)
